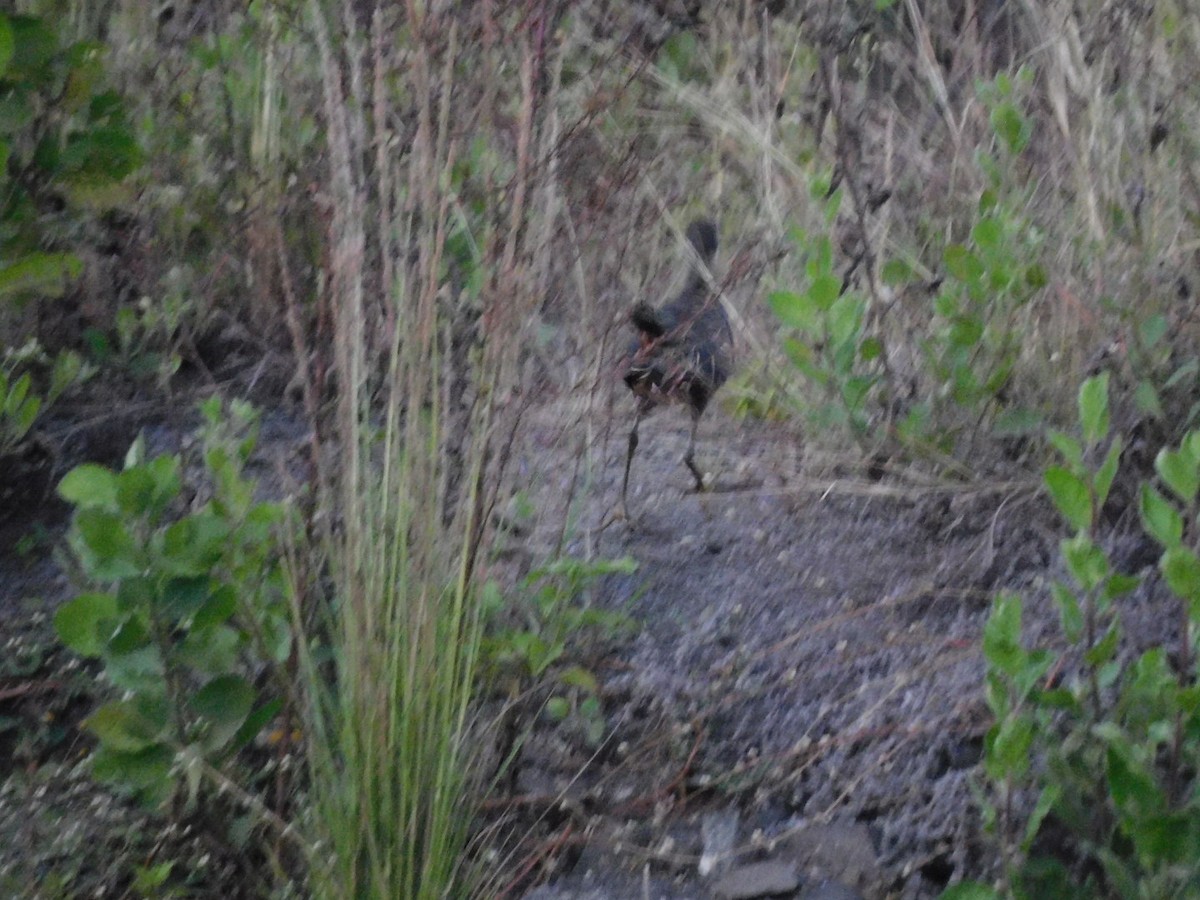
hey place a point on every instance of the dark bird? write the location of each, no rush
(683, 352)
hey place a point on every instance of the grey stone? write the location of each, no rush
(763, 879)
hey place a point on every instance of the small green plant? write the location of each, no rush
(186, 606)
(977, 333)
(141, 341)
(553, 620)
(23, 399)
(65, 147)
(65, 144)
(1112, 756)
(830, 343)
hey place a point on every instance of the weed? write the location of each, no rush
(23, 399)
(553, 620)
(186, 607)
(1111, 757)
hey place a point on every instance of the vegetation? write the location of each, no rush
(960, 249)
(1111, 754)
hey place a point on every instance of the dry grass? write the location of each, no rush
(497, 183)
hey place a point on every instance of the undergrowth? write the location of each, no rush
(415, 218)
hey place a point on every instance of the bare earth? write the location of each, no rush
(808, 659)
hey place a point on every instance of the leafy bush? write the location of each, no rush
(1112, 756)
(549, 621)
(186, 608)
(975, 331)
(830, 344)
(21, 400)
(65, 146)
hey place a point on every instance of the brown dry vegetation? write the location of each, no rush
(350, 211)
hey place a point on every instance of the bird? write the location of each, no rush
(683, 351)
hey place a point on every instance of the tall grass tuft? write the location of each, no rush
(389, 712)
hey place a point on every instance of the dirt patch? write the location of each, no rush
(809, 653)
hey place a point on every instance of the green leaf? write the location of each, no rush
(90, 485)
(148, 880)
(845, 320)
(1185, 373)
(140, 669)
(1068, 447)
(1086, 561)
(122, 728)
(47, 274)
(965, 331)
(1071, 495)
(1069, 612)
(1104, 649)
(194, 544)
(1160, 518)
(558, 708)
(212, 651)
(1119, 584)
(78, 622)
(1107, 471)
(795, 310)
(579, 677)
(135, 491)
(896, 272)
(6, 45)
(1016, 422)
(1153, 329)
(109, 551)
(1166, 837)
(1046, 800)
(16, 394)
(218, 608)
(68, 370)
(1002, 635)
(224, 703)
(988, 233)
(165, 472)
(962, 264)
(1181, 570)
(1093, 408)
(1011, 127)
(1009, 753)
(184, 597)
(1132, 788)
(255, 722)
(824, 291)
(147, 773)
(802, 357)
(1178, 472)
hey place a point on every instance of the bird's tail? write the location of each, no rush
(702, 235)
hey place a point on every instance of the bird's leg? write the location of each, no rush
(689, 458)
(633, 442)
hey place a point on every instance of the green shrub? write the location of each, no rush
(22, 399)
(552, 617)
(829, 342)
(185, 608)
(65, 147)
(1112, 756)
